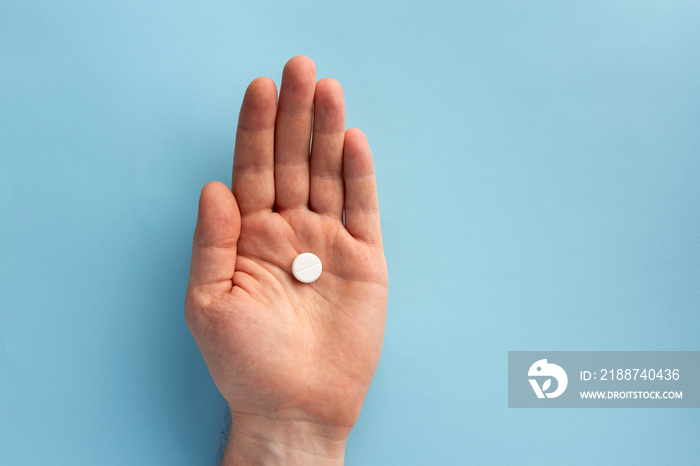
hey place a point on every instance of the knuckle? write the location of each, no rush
(196, 305)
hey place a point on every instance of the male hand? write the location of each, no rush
(294, 361)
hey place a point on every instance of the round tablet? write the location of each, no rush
(307, 267)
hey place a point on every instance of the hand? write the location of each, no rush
(294, 361)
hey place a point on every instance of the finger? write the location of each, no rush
(253, 161)
(361, 205)
(326, 183)
(215, 239)
(293, 133)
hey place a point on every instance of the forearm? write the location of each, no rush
(269, 442)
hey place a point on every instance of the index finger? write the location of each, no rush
(253, 182)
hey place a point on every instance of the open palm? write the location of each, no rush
(277, 348)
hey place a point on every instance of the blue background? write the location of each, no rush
(539, 178)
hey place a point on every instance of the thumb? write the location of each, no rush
(215, 240)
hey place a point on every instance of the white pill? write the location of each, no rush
(307, 267)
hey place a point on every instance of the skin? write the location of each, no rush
(294, 361)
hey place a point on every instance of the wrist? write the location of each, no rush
(260, 440)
